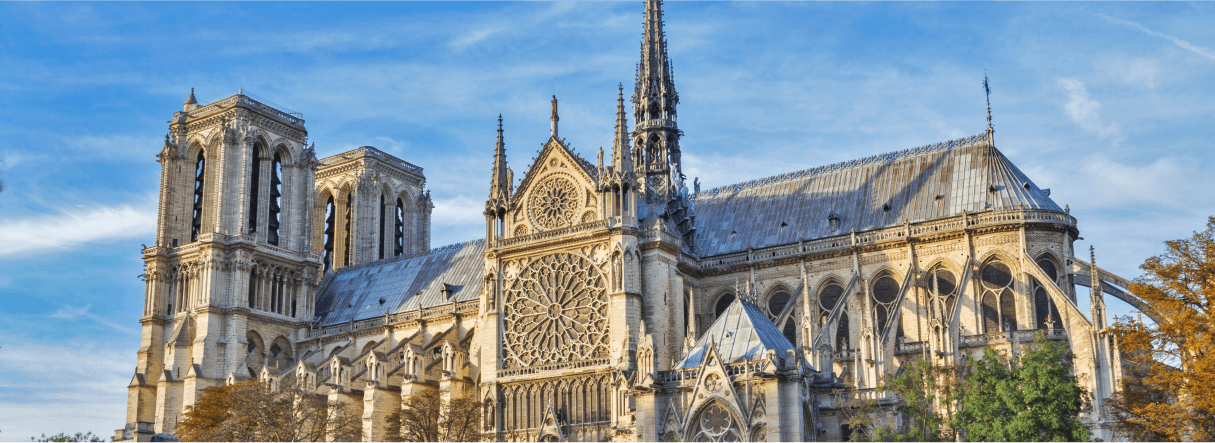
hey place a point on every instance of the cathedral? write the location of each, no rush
(610, 299)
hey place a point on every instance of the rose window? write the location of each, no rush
(715, 423)
(556, 311)
(554, 203)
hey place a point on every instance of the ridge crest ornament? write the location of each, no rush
(555, 311)
(554, 203)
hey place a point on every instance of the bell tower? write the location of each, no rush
(231, 280)
(656, 134)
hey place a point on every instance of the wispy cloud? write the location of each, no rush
(71, 313)
(1176, 41)
(1086, 112)
(74, 228)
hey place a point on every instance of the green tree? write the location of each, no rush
(927, 399)
(1033, 398)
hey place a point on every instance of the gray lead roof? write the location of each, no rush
(742, 333)
(915, 185)
(404, 283)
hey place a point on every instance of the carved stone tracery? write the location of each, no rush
(555, 310)
(554, 204)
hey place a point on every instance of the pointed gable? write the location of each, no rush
(742, 333)
(558, 191)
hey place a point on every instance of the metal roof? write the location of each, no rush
(403, 283)
(920, 184)
(742, 333)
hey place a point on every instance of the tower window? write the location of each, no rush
(399, 235)
(382, 222)
(252, 287)
(255, 179)
(330, 211)
(200, 170)
(346, 230)
(276, 171)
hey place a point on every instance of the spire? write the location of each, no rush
(500, 184)
(191, 103)
(991, 133)
(622, 157)
(555, 118)
(654, 96)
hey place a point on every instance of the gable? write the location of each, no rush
(558, 191)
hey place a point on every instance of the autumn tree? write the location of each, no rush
(425, 416)
(1175, 353)
(62, 436)
(1031, 398)
(255, 411)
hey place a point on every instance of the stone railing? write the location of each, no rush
(1023, 336)
(229, 239)
(555, 233)
(463, 307)
(690, 374)
(658, 234)
(894, 233)
(869, 394)
(371, 151)
(915, 347)
(655, 123)
(247, 102)
(554, 367)
(844, 355)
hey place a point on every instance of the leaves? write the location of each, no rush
(425, 416)
(1033, 398)
(1169, 365)
(253, 411)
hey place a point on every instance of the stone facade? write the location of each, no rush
(607, 300)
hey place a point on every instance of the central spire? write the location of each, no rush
(655, 132)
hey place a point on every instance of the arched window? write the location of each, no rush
(330, 214)
(885, 292)
(252, 287)
(255, 183)
(346, 234)
(1046, 314)
(777, 303)
(276, 172)
(382, 223)
(944, 293)
(842, 332)
(200, 171)
(715, 423)
(723, 303)
(997, 297)
(399, 230)
(829, 296)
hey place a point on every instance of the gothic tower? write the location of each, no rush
(655, 134)
(231, 280)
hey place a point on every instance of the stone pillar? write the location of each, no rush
(378, 403)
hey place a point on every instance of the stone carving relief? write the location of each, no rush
(555, 309)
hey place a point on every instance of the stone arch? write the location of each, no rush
(996, 286)
(776, 287)
(715, 420)
(368, 347)
(280, 353)
(255, 350)
(722, 300)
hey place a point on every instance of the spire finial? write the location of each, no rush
(555, 118)
(987, 88)
(1092, 255)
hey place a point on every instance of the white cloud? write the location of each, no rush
(1086, 112)
(74, 228)
(69, 313)
(1176, 41)
(72, 387)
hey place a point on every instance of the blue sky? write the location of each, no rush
(1109, 105)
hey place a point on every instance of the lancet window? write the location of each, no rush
(399, 231)
(1046, 314)
(346, 252)
(200, 171)
(253, 287)
(276, 172)
(999, 306)
(777, 303)
(330, 213)
(255, 174)
(382, 222)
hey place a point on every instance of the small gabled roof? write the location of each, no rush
(742, 333)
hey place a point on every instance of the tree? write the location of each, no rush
(928, 398)
(79, 436)
(1033, 398)
(425, 416)
(254, 411)
(1176, 354)
(1138, 391)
